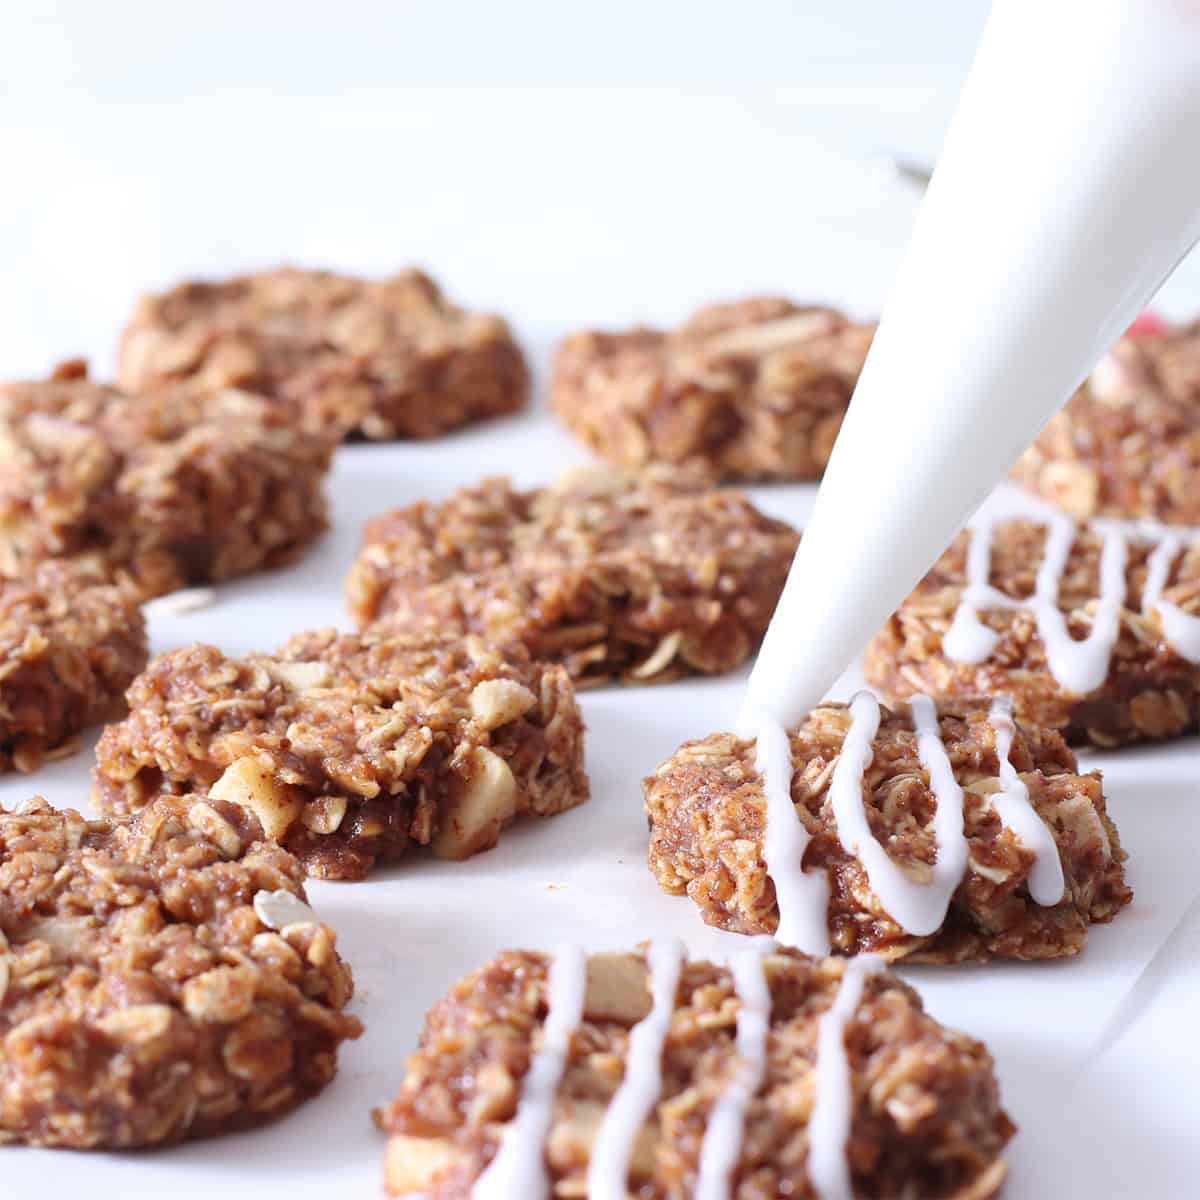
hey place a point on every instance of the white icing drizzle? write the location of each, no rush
(519, 1167)
(1079, 665)
(829, 1125)
(949, 834)
(803, 896)
(608, 1169)
(1181, 629)
(969, 640)
(1012, 806)
(722, 1145)
(920, 908)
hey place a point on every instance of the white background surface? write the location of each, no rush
(564, 163)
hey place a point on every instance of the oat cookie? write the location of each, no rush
(176, 488)
(351, 749)
(709, 816)
(1127, 444)
(70, 643)
(381, 359)
(1022, 608)
(641, 577)
(749, 390)
(727, 1073)
(146, 994)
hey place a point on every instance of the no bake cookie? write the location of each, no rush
(750, 390)
(1127, 444)
(649, 1075)
(381, 359)
(350, 749)
(169, 489)
(1092, 629)
(160, 979)
(1035, 857)
(71, 642)
(640, 577)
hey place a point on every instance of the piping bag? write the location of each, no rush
(1067, 190)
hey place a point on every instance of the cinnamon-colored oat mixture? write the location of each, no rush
(925, 1120)
(1151, 691)
(641, 577)
(707, 813)
(71, 642)
(350, 749)
(170, 489)
(1127, 444)
(142, 997)
(381, 359)
(749, 390)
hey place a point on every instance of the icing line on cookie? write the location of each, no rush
(1079, 665)
(829, 1124)
(918, 908)
(1181, 629)
(722, 1144)
(519, 1167)
(803, 896)
(608, 1168)
(1012, 806)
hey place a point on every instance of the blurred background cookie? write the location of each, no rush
(749, 390)
(167, 489)
(381, 359)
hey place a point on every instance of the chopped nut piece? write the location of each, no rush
(487, 802)
(495, 702)
(214, 826)
(640, 577)
(279, 909)
(617, 988)
(141, 1023)
(413, 1164)
(224, 994)
(251, 784)
(325, 814)
(300, 676)
(179, 604)
(382, 359)
(751, 390)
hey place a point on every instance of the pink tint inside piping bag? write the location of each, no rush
(1067, 191)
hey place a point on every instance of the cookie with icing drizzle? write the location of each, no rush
(644, 1073)
(1092, 629)
(934, 836)
(1127, 444)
